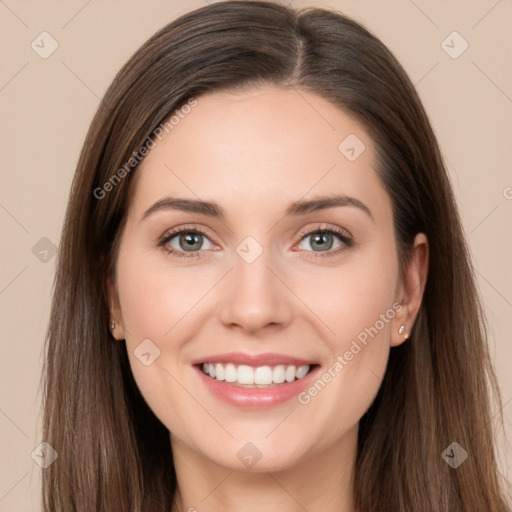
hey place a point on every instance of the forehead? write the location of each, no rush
(259, 148)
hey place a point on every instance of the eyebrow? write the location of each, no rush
(211, 209)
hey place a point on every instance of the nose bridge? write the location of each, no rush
(255, 296)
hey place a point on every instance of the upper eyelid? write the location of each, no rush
(171, 233)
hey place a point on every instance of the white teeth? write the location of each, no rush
(230, 372)
(219, 372)
(261, 376)
(302, 371)
(278, 374)
(289, 374)
(245, 374)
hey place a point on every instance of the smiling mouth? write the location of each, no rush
(255, 376)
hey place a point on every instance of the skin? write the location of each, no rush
(254, 152)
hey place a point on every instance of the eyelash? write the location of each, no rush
(342, 235)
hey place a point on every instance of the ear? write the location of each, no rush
(115, 310)
(410, 289)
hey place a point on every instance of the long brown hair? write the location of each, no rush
(439, 387)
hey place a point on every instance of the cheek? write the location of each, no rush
(359, 306)
(157, 304)
(154, 296)
(357, 303)
(149, 311)
(356, 296)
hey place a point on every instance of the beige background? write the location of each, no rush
(47, 105)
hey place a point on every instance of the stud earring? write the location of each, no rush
(113, 325)
(401, 330)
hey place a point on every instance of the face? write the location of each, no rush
(267, 279)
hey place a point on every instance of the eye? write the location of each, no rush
(185, 240)
(323, 239)
(188, 242)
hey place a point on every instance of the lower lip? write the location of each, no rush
(256, 398)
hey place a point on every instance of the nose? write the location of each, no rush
(255, 297)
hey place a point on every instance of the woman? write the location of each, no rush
(263, 297)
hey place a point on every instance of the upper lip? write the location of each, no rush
(267, 359)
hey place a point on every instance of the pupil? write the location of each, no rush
(192, 241)
(324, 238)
